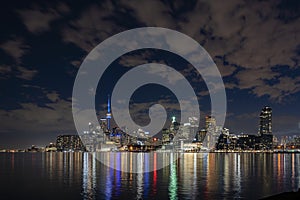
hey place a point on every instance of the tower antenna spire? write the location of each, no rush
(108, 114)
(108, 104)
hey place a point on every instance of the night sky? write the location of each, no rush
(255, 45)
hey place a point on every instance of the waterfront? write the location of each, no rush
(193, 176)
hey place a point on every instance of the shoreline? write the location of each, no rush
(288, 195)
(213, 152)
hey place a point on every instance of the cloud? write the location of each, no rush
(91, 27)
(245, 39)
(18, 72)
(137, 59)
(257, 40)
(53, 96)
(26, 74)
(5, 70)
(38, 19)
(231, 30)
(53, 117)
(225, 69)
(15, 48)
(263, 81)
(151, 13)
(76, 63)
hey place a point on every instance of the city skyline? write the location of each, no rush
(140, 99)
(210, 138)
(44, 44)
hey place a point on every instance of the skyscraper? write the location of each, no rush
(194, 121)
(210, 123)
(201, 135)
(211, 132)
(265, 122)
(108, 114)
(265, 128)
(174, 125)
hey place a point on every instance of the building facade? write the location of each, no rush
(69, 143)
(265, 121)
(265, 128)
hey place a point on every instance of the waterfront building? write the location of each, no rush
(248, 142)
(51, 148)
(69, 143)
(265, 122)
(166, 136)
(265, 128)
(266, 142)
(228, 141)
(119, 137)
(33, 148)
(297, 140)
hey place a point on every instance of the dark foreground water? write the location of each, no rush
(193, 176)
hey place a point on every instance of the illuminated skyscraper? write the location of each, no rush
(265, 128)
(265, 122)
(108, 114)
(211, 132)
(194, 121)
(201, 135)
(210, 123)
(174, 125)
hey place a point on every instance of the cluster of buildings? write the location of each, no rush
(105, 138)
(264, 140)
(186, 137)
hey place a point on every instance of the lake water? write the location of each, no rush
(192, 176)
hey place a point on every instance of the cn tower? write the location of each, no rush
(108, 114)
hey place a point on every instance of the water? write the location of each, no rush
(193, 176)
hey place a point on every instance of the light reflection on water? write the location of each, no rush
(191, 176)
(173, 180)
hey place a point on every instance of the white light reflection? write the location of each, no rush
(297, 163)
(65, 173)
(109, 174)
(173, 179)
(70, 167)
(85, 172)
(140, 174)
(89, 176)
(293, 171)
(226, 174)
(238, 175)
(50, 164)
(194, 186)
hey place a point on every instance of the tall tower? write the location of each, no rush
(211, 132)
(108, 114)
(210, 123)
(174, 125)
(265, 122)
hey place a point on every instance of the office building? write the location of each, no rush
(69, 143)
(265, 121)
(265, 128)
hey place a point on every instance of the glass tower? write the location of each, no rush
(265, 122)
